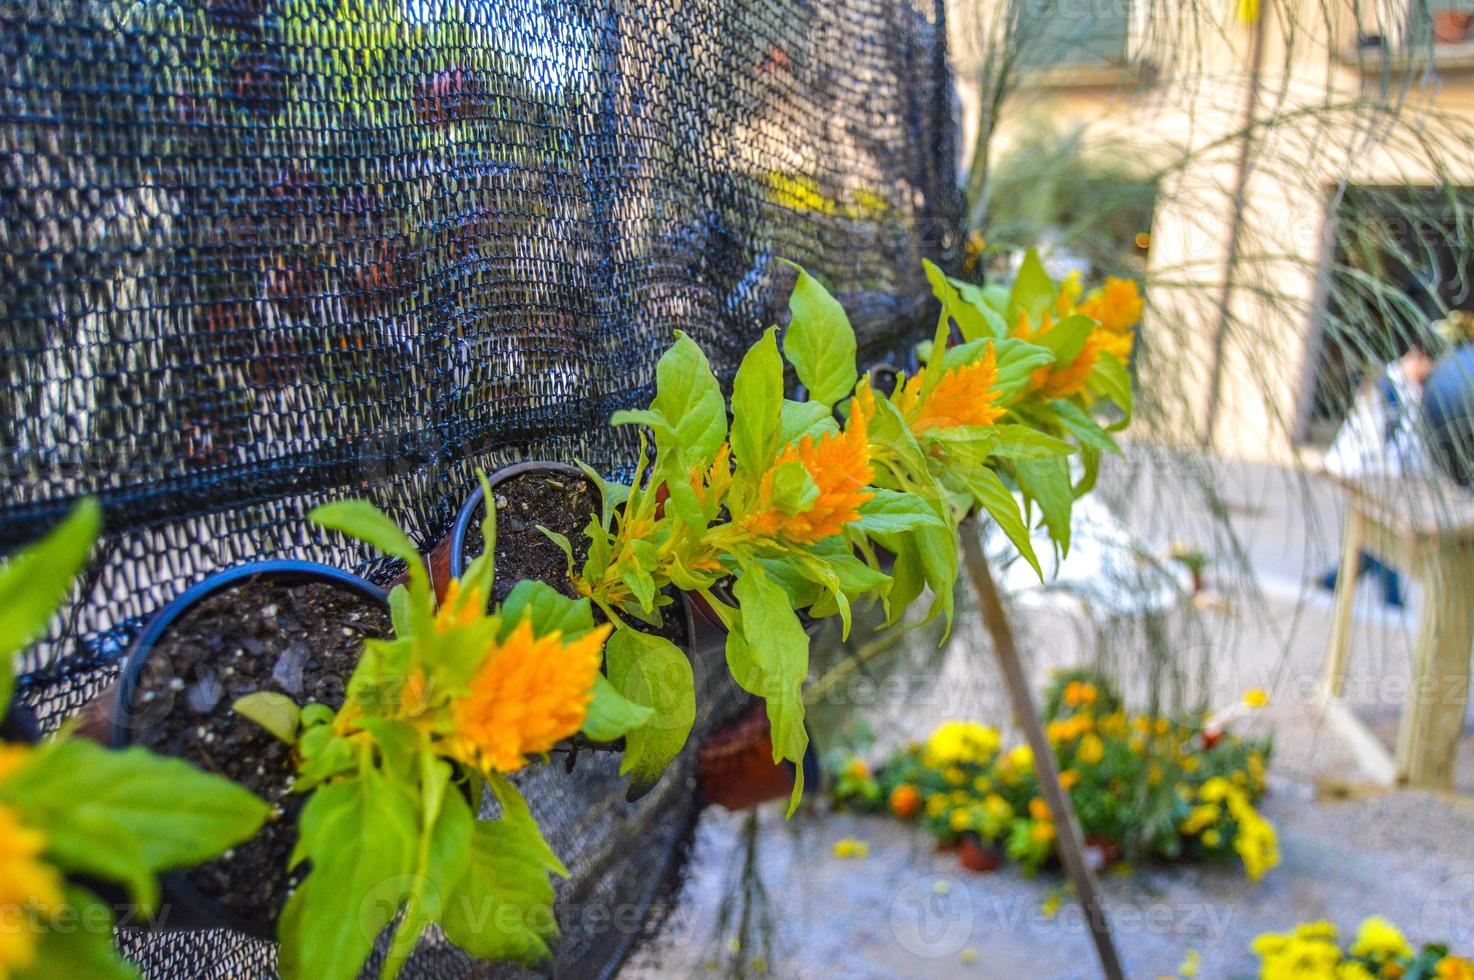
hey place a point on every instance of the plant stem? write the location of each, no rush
(1071, 849)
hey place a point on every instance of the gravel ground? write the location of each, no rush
(908, 911)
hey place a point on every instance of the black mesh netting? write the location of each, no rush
(261, 253)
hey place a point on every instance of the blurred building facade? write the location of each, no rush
(1265, 130)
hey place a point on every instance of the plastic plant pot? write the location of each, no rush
(468, 521)
(467, 529)
(735, 767)
(174, 697)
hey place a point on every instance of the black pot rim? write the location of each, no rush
(467, 513)
(199, 911)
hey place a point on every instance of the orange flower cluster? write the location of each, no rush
(1059, 380)
(963, 396)
(529, 693)
(1117, 307)
(839, 464)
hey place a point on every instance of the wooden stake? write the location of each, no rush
(1069, 842)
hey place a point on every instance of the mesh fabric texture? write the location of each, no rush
(259, 254)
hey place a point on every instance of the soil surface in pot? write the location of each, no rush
(559, 503)
(302, 640)
(556, 501)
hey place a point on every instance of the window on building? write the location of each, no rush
(1071, 33)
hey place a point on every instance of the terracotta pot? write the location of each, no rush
(975, 855)
(735, 767)
(1452, 26)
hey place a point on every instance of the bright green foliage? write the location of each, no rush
(391, 830)
(120, 817)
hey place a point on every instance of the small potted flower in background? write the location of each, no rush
(460, 697)
(72, 811)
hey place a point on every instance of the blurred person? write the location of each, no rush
(1448, 402)
(1383, 435)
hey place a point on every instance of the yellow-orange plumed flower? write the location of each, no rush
(459, 607)
(1064, 380)
(962, 396)
(839, 465)
(530, 692)
(1116, 306)
(712, 485)
(1058, 380)
(28, 886)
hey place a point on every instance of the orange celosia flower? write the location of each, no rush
(712, 485)
(528, 693)
(1117, 344)
(1116, 306)
(839, 464)
(459, 608)
(963, 396)
(1062, 381)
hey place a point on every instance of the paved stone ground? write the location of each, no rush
(907, 911)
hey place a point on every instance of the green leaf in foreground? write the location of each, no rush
(34, 582)
(155, 813)
(360, 835)
(503, 907)
(819, 341)
(611, 714)
(653, 672)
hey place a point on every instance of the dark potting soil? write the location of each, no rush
(300, 640)
(559, 502)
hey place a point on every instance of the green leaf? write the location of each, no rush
(977, 297)
(688, 395)
(780, 647)
(890, 511)
(1033, 291)
(1110, 377)
(362, 520)
(794, 490)
(611, 714)
(1047, 482)
(1067, 338)
(155, 813)
(34, 582)
(1024, 442)
(806, 419)
(653, 672)
(1017, 362)
(361, 835)
(819, 342)
(971, 320)
(550, 610)
(757, 405)
(275, 712)
(999, 502)
(77, 941)
(1083, 427)
(650, 418)
(503, 908)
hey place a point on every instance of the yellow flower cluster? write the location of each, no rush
(1312, 951)
(1254, 838)
(956, 742)
(28, 885)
